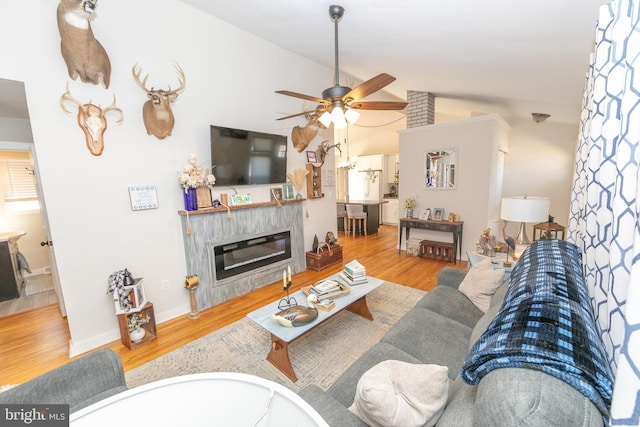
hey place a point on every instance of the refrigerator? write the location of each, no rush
(365, 185)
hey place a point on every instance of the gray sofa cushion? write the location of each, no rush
(344, 388)
(451, 303)
(333, 412)
(79, 383)
(525, 397)
(431, 338)
(460, 406)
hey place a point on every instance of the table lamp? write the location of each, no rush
(524, 209)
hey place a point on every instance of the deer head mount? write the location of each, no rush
(91, 120)
(84, 55)
(156, 112)
(302, 136)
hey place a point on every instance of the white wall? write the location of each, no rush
(478, 142)
(540, 162)
(231, 78)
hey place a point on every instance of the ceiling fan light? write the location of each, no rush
(337, 115)
(351, 115)
(325, 119)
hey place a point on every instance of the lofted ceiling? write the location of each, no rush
(508, 57)
(493, 56)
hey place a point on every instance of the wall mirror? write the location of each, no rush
(440, 170)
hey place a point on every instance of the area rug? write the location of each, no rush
(318, 357)
(37, 284)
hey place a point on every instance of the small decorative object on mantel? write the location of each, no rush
(193, 177)
(289, 301)
(409, 204)
(297, 178)
(191, 284)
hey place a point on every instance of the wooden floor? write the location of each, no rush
(35, 342)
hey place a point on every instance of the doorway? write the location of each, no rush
(22, 208)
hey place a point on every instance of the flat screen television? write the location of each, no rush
(245, 157)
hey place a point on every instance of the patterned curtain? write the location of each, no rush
(605, 199)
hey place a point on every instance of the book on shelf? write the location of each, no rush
(351, 281)
(355, 269)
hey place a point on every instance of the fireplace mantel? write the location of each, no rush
(209, 228)
(238, 207)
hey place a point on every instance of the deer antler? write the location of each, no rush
(67, 97)
(113, 107)
(181, 78)
(136, 77)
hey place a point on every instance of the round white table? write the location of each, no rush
(211, 399)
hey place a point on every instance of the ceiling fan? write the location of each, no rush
(341, 102)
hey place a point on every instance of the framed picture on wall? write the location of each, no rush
(438, 214)
(311, 157)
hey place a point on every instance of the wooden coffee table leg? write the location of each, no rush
(360, 308)
(279, 357)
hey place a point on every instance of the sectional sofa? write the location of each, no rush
(532, 359)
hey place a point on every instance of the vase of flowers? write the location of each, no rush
(194, 177)
(409, 204)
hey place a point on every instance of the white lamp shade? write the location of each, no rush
(325, 119)
(351, 115)
(337, 115)
(525, 209)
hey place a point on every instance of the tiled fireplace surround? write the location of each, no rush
(211, 227)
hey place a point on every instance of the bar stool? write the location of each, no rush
(342, 213)
(356, 215)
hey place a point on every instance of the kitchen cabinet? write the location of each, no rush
(373, 163)
(390, 212)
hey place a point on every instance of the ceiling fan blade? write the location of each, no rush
(301, 96)
(378, 105)
(369, 87)
(294, 115)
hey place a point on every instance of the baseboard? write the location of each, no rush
(36, 272)
(79, 347)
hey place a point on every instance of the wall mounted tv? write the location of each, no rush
(245, 157)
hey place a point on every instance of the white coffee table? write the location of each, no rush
(211, 399)
(282, 336)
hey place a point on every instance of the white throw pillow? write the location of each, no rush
(480, 283)
(401, 394)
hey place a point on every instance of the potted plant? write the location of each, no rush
(192, 178)
(409, 204)
(135, 322)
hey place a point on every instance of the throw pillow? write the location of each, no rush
(395, 393)
(480, 283)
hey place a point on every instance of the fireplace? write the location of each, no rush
(246, 255)
(211, 227)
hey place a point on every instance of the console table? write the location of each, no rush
(453, 227)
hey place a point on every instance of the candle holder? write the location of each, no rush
(191, 284)
(289, 301)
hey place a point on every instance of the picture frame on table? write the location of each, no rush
(425, 214)
(276, 194)
(438, 214)
(287, 191)
(311, 157)
(240, 199)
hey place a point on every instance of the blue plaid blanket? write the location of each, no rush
(546, 323)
